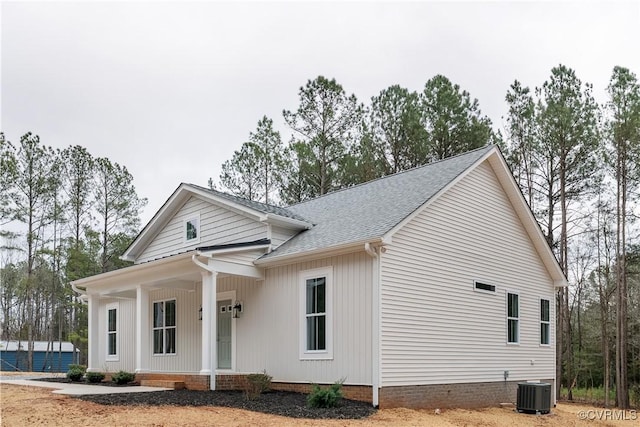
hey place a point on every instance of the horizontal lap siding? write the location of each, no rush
(435, 327)
(267, 332)
(243, 258)
(217, 226)
(279, 235)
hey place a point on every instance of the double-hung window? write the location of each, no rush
(112, 331)
(164, 327)
(316, 314)
(513, 318)
(544, 322)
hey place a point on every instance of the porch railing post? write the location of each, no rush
(93, 359)
(209, 326)
(142, 329)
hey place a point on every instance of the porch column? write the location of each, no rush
(94, 333)
(209, 326)
(142, 329)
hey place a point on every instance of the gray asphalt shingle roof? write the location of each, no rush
(370, 210)
(257, 206)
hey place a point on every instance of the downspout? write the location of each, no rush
(375, 325)
(82, 296)
(202, 265)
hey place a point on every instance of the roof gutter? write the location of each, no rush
(137, 268)
(286, 222)
(332, 250)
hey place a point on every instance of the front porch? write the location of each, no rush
(175, 319)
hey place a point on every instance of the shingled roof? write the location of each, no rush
(257, 206)
(370, 210)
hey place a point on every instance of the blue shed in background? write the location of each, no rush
(47, 356)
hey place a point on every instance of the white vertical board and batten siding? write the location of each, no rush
(267, 331)
(250, 357)
(217, 226)
(188, 332)
(434, 327)
(126, 336)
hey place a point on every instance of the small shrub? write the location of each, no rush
(325, 397)
(94, 377)
(75, 374)
(83, 368)
(122, 377)
(257, 384)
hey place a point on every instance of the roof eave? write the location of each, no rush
(275, 260)
(110, 276)
(173, 204)
(287, 222)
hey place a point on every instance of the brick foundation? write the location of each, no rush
(353, 392)
(239, 382)
(191, 381)
(469, 395)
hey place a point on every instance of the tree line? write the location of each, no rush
(77, 214)
(337, 141)
(576, 161)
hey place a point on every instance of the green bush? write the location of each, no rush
(325, 397)
(75, 374)
(122, 377)
(257, 384)
(94, 377)
(83, 368)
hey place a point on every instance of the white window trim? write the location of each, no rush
(548, 322)
(113, 357)
(164, 328)
(184, 230)
(519, 318)
(327, 273)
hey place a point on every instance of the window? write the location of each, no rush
(513, 318)
(316, 313)
(315, 308)
(192, 230)
(544, 322)
(112, 332)
(478, 286)
(164, 327)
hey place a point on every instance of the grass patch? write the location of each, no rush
(595, 395)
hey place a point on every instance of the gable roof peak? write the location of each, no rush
(484, 149)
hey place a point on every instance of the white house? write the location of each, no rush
(432, 287)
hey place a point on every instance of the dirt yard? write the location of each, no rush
(31, 406)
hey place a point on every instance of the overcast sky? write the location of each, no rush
(171, 89)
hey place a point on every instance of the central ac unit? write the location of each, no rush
(534, 398)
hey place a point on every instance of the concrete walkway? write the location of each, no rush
(77, 389)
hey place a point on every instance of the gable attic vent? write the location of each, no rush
(484, 287)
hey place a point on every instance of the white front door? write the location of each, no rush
(224, 337)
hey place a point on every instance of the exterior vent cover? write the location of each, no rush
(534, 398)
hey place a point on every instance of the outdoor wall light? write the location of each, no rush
(237, 309)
